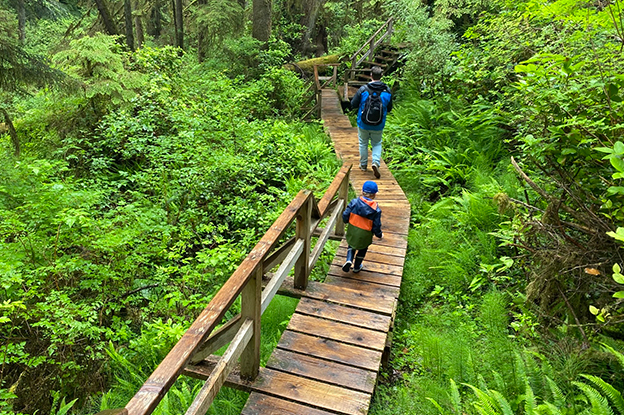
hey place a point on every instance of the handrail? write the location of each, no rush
(372, 44)
(243, 331)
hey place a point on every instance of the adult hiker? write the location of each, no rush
(374, 101)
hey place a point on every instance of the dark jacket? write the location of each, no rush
(364, 218)
(359, 99)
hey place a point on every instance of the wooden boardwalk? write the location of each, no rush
(328, 359)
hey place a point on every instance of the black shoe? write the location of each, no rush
(347, 266)
(376, 171)
(356, 270)
(363, 168)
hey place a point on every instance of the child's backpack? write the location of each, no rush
(373, 108)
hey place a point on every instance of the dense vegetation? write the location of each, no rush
(144, 153)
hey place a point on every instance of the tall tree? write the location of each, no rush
(21, 21)
(179, 26)
(261, 28)
(138, 23)
(107, 20)
(128, 24)
(312, 9)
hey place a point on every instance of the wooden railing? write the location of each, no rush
(243, 331)
(319, 83)
(368, 48)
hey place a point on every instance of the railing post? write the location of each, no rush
(251, 307)
(302, 268)
(343, 194)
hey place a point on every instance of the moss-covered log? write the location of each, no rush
(308, 64)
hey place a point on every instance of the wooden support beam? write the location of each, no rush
(278, 278)
(304, 219)
(217, 378)
(251, 303)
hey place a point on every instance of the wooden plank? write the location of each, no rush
(364, 286)
(380, 268)
(372, 256)
(334, 330)
(376, 248)
(260, 403)
(382, 303)
(367, 276)
(330, 350)
(344, 314)
(311, 392)
(322, 370)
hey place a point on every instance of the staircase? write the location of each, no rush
(374, 52)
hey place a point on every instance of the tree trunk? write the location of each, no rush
(108, 22)
(128, 22)
(261, 29)
(21, 21)
(313, 8)
(12, 132)
(179, 24)
(154, 27)
(138, 24)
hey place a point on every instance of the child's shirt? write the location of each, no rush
(364, 218)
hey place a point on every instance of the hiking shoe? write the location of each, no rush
(363, 168)
(376, 171)
(347, 266)
(356, 270)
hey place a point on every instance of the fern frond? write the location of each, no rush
(552, 409)
(486, 404)
(530, 404)
(555, 392)
(607, 389)
(437, 405)
(455, 398)
(599, 404)
(617, 354)
(499, 382)
(503, 405)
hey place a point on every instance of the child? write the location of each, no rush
(364, 219)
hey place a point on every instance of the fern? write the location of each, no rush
(530, 404)
(502, 402)
(555, 392)
(437, 405)
(486, 404)
(613, 394)
(617, 354)
(455, 398)
(552, 409)
(599, 404)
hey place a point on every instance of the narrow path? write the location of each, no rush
(329, 357)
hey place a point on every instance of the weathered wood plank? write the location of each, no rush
(259, 403)
(334, 330)
(311, 392)
(364, 286)
(366, 276)
(330, 350)
(382, 303)
(322, 370)
(372, 256)
(344, 314)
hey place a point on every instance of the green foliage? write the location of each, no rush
(96, 61)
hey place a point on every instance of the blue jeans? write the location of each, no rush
(375, 139)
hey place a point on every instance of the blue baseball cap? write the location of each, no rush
(370, 187)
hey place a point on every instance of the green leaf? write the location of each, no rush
(593, 310)
(619, 294)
